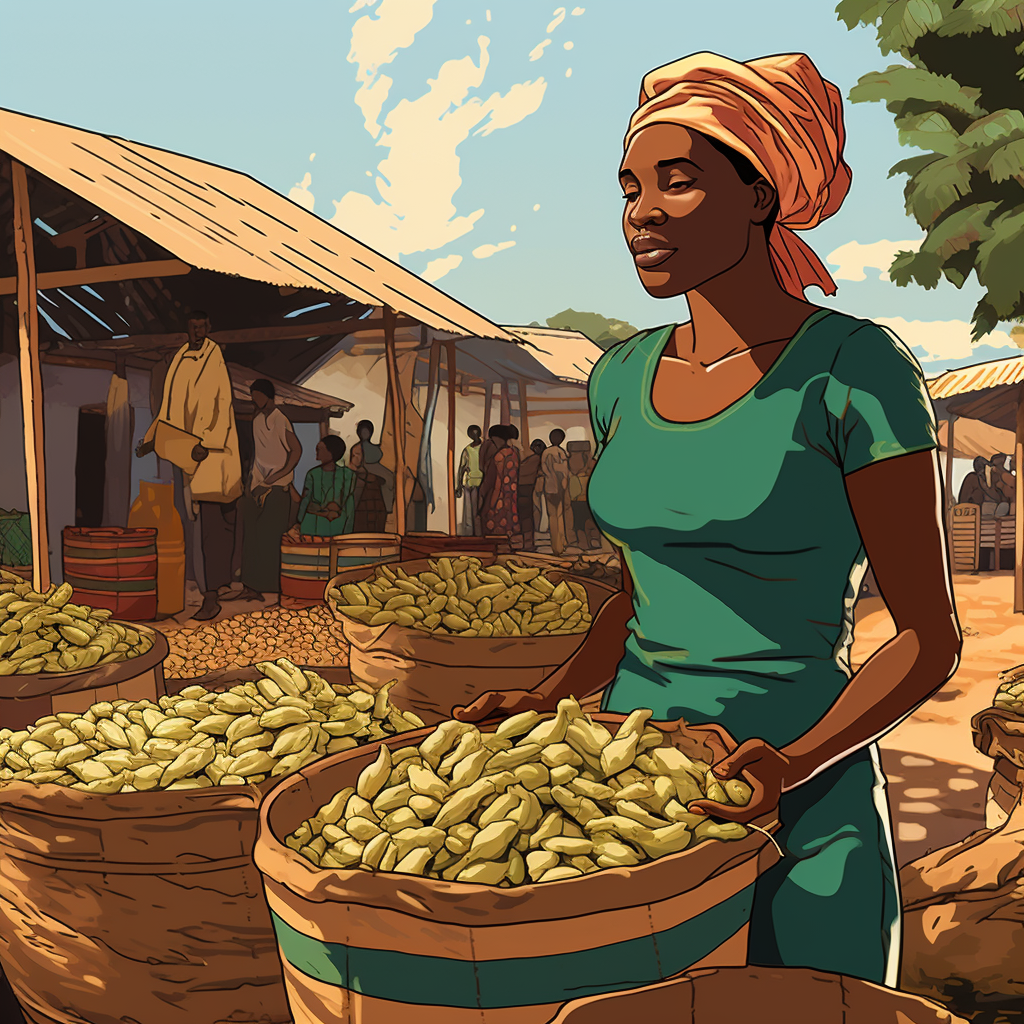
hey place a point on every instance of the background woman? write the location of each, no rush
(499, 512)
(738, 601)
(327, 508)
(374, 493)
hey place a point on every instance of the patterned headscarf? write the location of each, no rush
(785, 119)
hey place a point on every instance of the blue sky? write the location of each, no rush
(478, 136)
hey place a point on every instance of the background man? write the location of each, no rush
(529, 469)
(467, 483)
(554, 464)
(195, 430)
(266, 509)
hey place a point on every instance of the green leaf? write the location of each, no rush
(899, 84)
(930, 131)
(960, 230)
(860, 12)
(923, 267)
(999, 262)
(997, 144)
(905, 21)
(985, 319)
(959, 267)
(912, 165)
(936, 187)
(995, 16)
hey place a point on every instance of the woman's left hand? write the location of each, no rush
(769, 771)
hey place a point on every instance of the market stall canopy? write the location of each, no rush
(207, 233)
(299, 404)
(972, 438)
(986, 391)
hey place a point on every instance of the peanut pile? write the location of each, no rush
(1010, 695)
(242, 640)
(538, 800)
(47, 633)
(459, 596)
(197, 739)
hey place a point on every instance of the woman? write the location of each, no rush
(374, 483)
(529, 468)
(741, 615)
(327, 508)
(499, 497)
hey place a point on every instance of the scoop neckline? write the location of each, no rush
(656, 419)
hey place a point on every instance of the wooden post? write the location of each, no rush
(397, 418)
(31, 377)
(951, 419)
(506, 404)
(1018, 522)
(524, 418)
(325, 425)
(452, 383)
(488, 399)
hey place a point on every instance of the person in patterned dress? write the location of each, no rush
(500, 504)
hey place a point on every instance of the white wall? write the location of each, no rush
(65, 390)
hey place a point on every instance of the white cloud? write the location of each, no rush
(536, 207)
(359, 5)
(568, 45)
(312, 157)
(436, 269)
(483, 251)
(577, 11)
(376, 41)
(558, 19)
(935, 340)
(416, 211)
(854, 258)
(538, 51)
(568, 72)
(299, 193)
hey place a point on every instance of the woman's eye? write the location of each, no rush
(679, 184)
(630, 196)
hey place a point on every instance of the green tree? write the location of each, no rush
(599, 329)
(961, 101)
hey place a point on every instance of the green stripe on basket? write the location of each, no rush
(96, 586)
(110, 552)
(361, 560)
(525, 981)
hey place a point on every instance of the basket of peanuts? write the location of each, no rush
(447, 629)
(491, 873)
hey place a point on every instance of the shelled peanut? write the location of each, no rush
(462, 597)
(48, 633)
(1010, 694)
(539, 799)
(198, 739)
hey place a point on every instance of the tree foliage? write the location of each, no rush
(961, 100)
(599, 329)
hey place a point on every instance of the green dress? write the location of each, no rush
(746, 562)
(328, 506)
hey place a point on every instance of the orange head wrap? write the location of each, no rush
(785, 119)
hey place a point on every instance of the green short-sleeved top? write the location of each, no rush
(737, 530)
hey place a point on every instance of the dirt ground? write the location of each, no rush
(937, 779)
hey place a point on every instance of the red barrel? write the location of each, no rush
(112, 567)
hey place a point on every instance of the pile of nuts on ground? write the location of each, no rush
(302, 635)
(1010, 695)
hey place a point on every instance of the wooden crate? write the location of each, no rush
(966, 538)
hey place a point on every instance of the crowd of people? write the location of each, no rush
(506, 492)
(992, 485)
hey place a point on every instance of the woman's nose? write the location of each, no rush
(644, 212)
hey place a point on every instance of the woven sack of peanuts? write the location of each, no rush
(447, 629)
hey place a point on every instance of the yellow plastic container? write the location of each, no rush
(154, 507)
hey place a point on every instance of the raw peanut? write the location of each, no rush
(714, 790)
(483, 873)
(737, 791)
(427, 783)
(373, 778)
(560, 874)
(555, 755)
(728, 830)
(506, 760)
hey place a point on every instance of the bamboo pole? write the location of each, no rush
(452, 382)
(488, 399)
(951, 418)
(31, 377)
(506, 404)
(524, 417)
(397, 418)
(1018, 524)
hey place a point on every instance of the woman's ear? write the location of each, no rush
(765, 198)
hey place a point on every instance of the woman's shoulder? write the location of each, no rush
(873, 344)
(625, 355)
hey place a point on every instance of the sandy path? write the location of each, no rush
(937, 779)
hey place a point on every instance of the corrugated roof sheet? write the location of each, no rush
(992, 374)
(222, 220)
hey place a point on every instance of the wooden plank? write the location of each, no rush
(488, 400)
(949, 476)
(524, 416)
(1018, 506)
(100, 275)
(452, 376)
(31, 377)
(506, 404)
(397, 420)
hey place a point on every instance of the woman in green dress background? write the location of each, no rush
(327, 508)
(766, 441)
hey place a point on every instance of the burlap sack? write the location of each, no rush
(437, 671)
(740, 995)
(383, 948)
(999, 734)
(138, 907)
(963, 926)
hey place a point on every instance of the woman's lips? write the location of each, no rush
(652, 257)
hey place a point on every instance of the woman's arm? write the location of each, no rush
(307, 494)
(907, 551)
(294, 447)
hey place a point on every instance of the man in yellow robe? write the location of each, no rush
(195, 430)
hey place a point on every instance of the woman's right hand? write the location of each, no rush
(503, 704)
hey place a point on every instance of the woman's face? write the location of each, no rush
(322, 453)
(688, 216)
